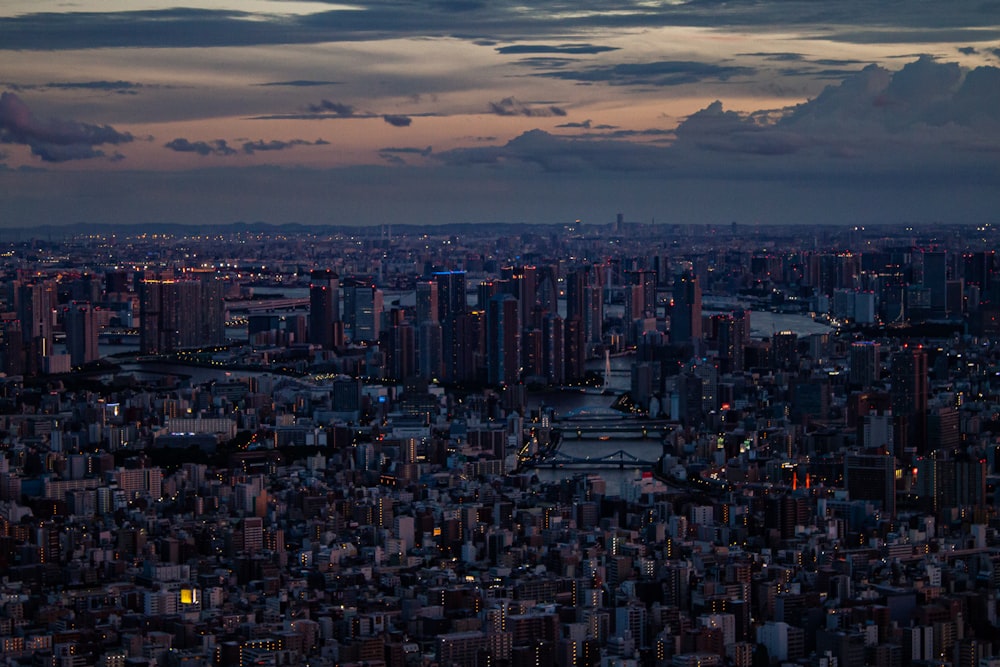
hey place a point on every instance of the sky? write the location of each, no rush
(446, 111)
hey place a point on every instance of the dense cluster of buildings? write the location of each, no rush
(347, 459)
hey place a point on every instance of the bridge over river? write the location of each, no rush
(619, 459)
(608, 429)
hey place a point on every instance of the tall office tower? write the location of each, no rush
(363, 310)
(503, 340)
(909, 393)
(324, 307)
(864, 362)
(469, 350)
(429, 350)
(593, 315)
(685, 317)
(523, 286)
(452, 305)
(547, 289)
(553, 349)
(488, 289)
(400, 348)
(81, 333)
(872, 476)
(427, 302)
(576, 281)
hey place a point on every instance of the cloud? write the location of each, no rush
(488, 23)
(218, 147)
(928, 118)
(572, 49)
(395, 155)
(511, 106)
(660, 73)
(780, 56)
(300, 83)
(397, 120)
(585, 125)
(120, 87)
(553, 153)
(54, 140)
(967, 50)
(338, 109)
(407, 150)
(251, 147)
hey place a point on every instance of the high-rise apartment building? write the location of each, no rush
(180, 313)
(81, 333)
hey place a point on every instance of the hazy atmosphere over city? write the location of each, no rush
(382, 111)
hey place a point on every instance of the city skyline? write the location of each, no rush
(373, 112)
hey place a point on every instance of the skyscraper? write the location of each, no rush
(503, 340)
(363, 309)
(81, 333)
(685, 318)
(452, 306)
(324, 306)
(180, 313)
(427, 302)
(909, 396)
(864, 361)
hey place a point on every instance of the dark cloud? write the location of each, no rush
(395, 155)
(487, 23)
(121, 87)
(547, 63)
(53, 140)
(397, 120)
(407, 150)
(251, 147)
(967, 50)
(661, 73)
(218, 147)
(511, 106)
(338, 109)
(838, 62)
(392, 158)
(571, 49)
(300, 83)
(780, 56)
(584, 125)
